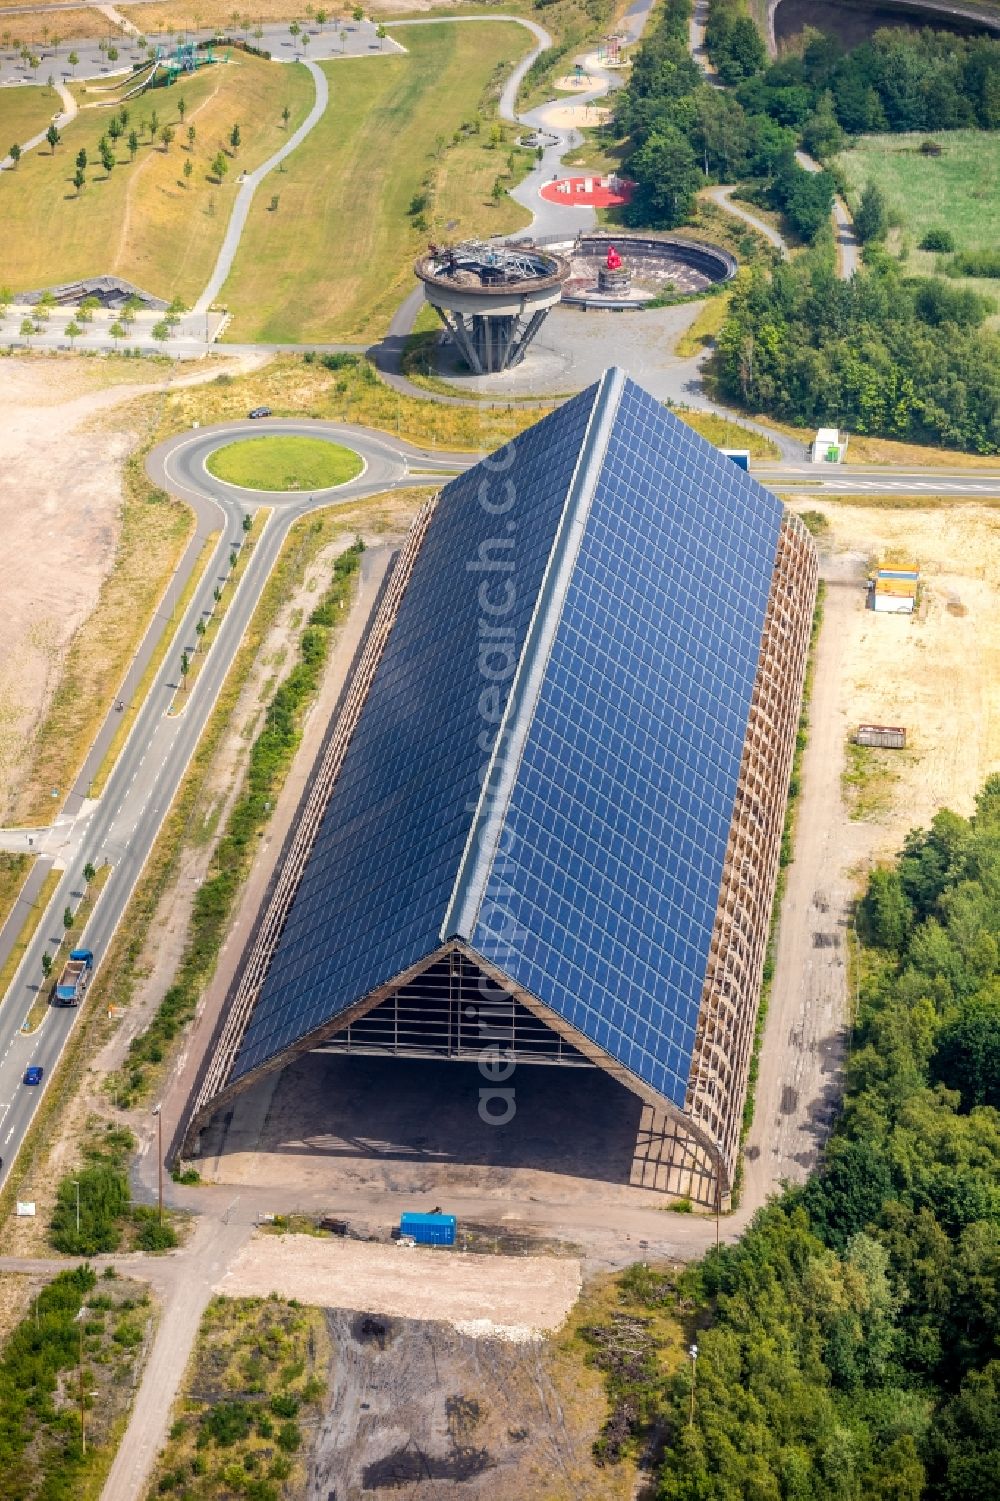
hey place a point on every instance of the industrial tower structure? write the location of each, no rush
(492, 299)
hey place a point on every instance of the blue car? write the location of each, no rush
(33, 1075)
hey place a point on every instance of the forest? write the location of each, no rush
(849, 1343)
(882, 353)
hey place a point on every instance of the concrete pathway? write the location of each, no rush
(845, 237)
(723, 195)
(250, 184)
(68, 112)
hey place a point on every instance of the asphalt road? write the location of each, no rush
(121, 826)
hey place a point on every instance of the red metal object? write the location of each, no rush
(614, 259)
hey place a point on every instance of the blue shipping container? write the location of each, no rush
(429, 1229)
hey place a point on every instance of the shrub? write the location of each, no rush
(289, 1437)
(938, 239)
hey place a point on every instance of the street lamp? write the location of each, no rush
(158, 1112)
(693, 1354)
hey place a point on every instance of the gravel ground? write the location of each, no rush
(507, 1297)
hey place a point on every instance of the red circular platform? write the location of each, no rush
(575, 190)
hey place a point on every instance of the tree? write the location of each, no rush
(53, 137)
(154, 124)
(123, 117)
(306, 39)
(107, 158)
(294, 32)
(117, 331)
(234, 139)
(321, 19)
(871, 221)
(185, 667)
(668, 177)
(273, 205)
(89, 872)
(358, 14)
(967, 1057)
(247, 525)
(166, 136)
(73, 331)
(161, 330)
(199, 629)
(381, 33)
(343, 39)
(27, 329)
(113, 54)
(188, 168)
(191, 134)
(181, 108)
(81, 158)
(68, 918)
(131, 307)
(79, 180)
(46, 965)
(219, 166)
(286, 115)
(87, 308)
(15, 153)
(114, 128)
(133, 144)
(73, 61)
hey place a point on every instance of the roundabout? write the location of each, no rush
(285, 463)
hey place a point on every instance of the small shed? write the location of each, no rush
(828, 447)
(895, 590)
(881, 736)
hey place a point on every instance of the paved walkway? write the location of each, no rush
(68, 112)
(723, 196)
(251, 182)
(845, 238)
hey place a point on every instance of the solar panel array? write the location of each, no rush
(617, 826)
(377, 884)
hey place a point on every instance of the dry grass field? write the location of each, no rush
(147, 222)
(23, 113)
(333, 261)
(937, 672)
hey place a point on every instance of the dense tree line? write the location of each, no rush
(685, 133)
(733, 42)
(903, 358)
(850, 1342)
(897, 81)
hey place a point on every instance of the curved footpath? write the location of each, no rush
(251, 182)
(68, 112)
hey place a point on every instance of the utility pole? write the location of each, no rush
(693, 1353)
(158, 1112)
(76, 1184)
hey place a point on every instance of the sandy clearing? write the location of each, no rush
(60, 504)
(573, 115)
(506, 1296)
(936, 672)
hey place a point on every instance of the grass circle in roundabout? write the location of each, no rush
(284, 462)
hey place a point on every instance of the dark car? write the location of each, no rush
(260, 412)
(33, 1075)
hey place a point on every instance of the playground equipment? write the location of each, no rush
(186, 57)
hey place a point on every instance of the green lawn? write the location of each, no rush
(280, 463)
(147, 222)
(333, 259)
(24, 112)
(957, 190)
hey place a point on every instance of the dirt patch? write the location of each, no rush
(426, 1411)
(503, 1297)
(937, 672)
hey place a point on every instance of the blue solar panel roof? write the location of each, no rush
(603, 901)
(640, 573)
(385, 859)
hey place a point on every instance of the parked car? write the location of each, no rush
(33, 1075)
(259, 412)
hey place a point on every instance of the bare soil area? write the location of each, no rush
(417, 1409)
(936, 672)
(515, 1298)
(60, 499)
